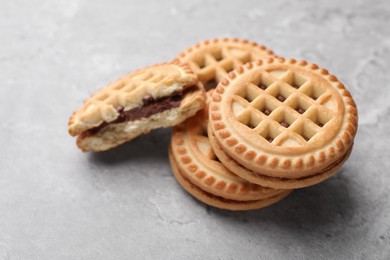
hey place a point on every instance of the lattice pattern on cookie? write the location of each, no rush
(283, 107)
(213, 64)
(290, 103)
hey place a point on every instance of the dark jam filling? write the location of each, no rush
(149, 107)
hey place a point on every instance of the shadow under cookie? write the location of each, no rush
(319, 208)
(142, 149)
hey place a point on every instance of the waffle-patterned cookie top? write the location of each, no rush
(213, 59)
(128, 92)
(283, 114)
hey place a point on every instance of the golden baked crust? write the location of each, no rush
(283, 118)
(217, 201)
(197, 161)
(213, 59)
(158, 81)
(274, 182)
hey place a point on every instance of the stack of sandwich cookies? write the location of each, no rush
(157, 96)
(287, 123)
(271, 124)
(212, 60)
(199, 171)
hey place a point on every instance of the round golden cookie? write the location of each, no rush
(283, 118)
(213, 59)
(220, 202)
(157, 96)
(273, 182)
(191, 150)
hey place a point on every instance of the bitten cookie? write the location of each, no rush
(213, 59)
(157, 96)
(198, 170)
(289, 122)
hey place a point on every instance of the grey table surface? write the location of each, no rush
(59, 203)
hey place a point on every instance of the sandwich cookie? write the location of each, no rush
(213, 59)
(291, 124)
(157, 96)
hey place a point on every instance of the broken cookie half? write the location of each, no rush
(158, 96)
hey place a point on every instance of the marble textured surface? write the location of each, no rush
(59, 203)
